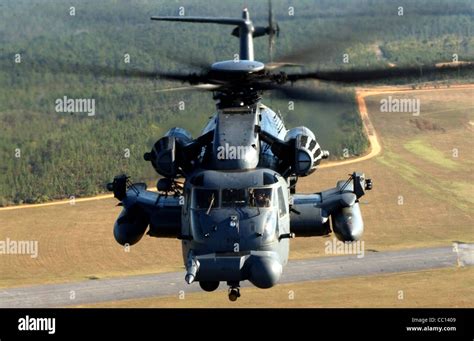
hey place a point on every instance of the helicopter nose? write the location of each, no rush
(265, 272)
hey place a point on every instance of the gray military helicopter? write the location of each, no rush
(237, 208)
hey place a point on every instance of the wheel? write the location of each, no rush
(209, 285)
(234, 294)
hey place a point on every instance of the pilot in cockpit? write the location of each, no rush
(261, 197)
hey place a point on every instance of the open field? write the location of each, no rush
(451, 287)
(422, 197)
(421, 191)
(75, 242)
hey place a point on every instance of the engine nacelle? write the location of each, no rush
(347, 223)
(130, 226)
(307, 153)
(166, 155)
(310, 212)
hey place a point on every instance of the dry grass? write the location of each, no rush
(435, 288)
(415, 202)
(76, 242)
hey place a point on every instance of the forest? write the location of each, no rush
(46, 155)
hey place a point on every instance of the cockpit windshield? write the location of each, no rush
(231, 197)
(253, 197)
(206, 198)
(234, 197)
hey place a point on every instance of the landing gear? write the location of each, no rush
(234, 294)
(234, 291)
(209, 286)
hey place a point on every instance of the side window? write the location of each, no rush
(283, 209)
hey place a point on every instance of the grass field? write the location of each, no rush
(75, 242)
(423, 196)
(435, 288)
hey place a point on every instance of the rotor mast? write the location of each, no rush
(244, 25)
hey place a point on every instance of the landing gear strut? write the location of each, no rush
(234, 292)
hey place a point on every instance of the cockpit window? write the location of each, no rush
(260, 197)
(206, 198)
(234, 197)
(253, 197)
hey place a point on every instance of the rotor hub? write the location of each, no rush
(238, 66)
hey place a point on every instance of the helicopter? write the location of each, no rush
(237, 208)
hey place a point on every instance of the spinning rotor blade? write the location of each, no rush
(395, 73)
(319, 93)
(276, 65)
(200, 87)
(273, 31)
(107, 71)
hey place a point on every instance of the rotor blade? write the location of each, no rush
(273, 31)
(395, 73)
(275, 65)
(59, 67)
(331, 46)
(270, 14)
(195, 62)
(200, 65)
(199, 87)
(318, 93)
(324, 49)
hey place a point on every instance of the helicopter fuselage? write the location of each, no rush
(235, 218)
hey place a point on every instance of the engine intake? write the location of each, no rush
(167, 155)
(307, 152)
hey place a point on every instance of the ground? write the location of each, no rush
(435, 288)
